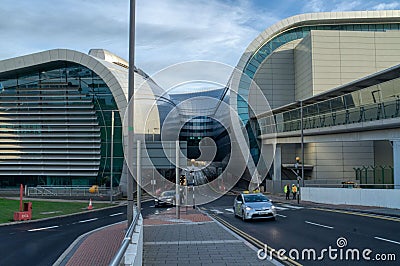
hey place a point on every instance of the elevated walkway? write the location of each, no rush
(368, 104)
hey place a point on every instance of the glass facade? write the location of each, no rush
(55, 127)
(380, 101)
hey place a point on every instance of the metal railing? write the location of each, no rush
(69, 191)
(127, 239)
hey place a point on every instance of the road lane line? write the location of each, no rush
(116, 214)
(383, 217)
(216, 211)
(43, 228)
(90, 220)
(281, 215)
(229, 210)
(292, 207)
(321, 225)
(387, 240)
(281, 208)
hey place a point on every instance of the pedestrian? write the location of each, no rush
(287, 191)
(294, 191)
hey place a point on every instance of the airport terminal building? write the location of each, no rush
(56, 115)
(334, 74)
(331, 76)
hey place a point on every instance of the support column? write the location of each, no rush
(396, 163)
(278, 163)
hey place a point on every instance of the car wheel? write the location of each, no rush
(243, 217)
(273, 218)
(234, 212)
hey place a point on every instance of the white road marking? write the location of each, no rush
(90, 220)
(387, 240)
(281, 208)
(321, 225)
(216, 211)
(43, 228)
(292, 207)
(229, 210)
(116, 214)
(280, 215)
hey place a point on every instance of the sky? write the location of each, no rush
(167, 31)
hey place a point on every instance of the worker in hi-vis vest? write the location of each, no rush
(294, 191)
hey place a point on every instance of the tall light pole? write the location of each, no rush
(302, 140)
(112, 156)
(192, 174)
(131, 99)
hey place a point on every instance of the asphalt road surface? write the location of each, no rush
(304, 228)
(41, 243)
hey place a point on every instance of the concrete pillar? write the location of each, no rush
(396, 163)
(278, 163)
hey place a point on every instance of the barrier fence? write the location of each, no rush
(70, 191)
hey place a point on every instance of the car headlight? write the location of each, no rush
(248, 208)
(273, 208)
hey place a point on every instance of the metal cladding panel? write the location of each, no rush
(48, 131)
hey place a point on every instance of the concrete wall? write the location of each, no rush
(134, 253)
(289, 153)
(275, 76)
(388, 198)
(336, 160)
(383, 153)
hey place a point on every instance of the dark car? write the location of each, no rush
(166, 198)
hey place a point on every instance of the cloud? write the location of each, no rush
(314, 6)
(386, 6)
(168, 32)
(176, 31)
(345, 5)
(80, 25)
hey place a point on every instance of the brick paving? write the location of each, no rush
(99, 247)
(169, 217)
(195, 239)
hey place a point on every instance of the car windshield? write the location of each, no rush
(167, 193)
(255, 198)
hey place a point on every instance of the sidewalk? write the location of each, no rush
(95, 248)
(194, 239)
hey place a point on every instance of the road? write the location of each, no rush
(305, 228)
(41, 243)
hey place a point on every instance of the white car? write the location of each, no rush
(253, 206)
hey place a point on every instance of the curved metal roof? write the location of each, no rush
(320, 18)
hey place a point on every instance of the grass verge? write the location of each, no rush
(44, 209)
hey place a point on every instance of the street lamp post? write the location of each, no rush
(112, 157)
(192, 174)
(298, 178)
(302, 141)
(131, 99)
